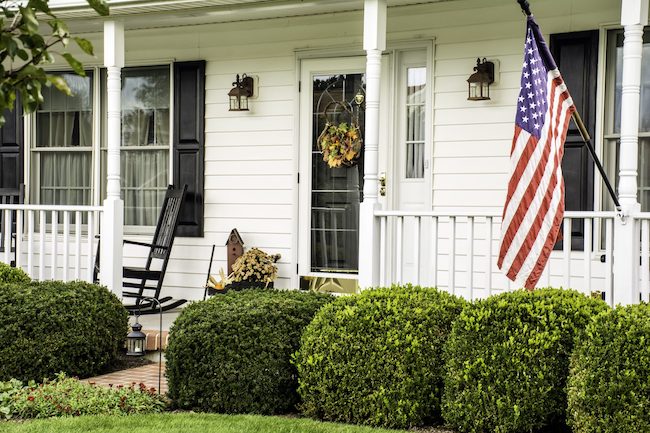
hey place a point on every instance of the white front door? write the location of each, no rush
(411, 171)
(329, 198)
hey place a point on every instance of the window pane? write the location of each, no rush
(145, 107)
(415, 121)
(65, 177)
(336, 192)
(144, 156)
(62, 166)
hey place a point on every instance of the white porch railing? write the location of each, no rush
(458, 251)
(50, 242)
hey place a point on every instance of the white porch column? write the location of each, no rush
(634, 15)
(374, 43)
(112, 229)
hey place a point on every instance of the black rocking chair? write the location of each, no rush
(137, 279)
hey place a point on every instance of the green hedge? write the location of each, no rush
(376, 358)
(49, 327)
(609, 384)
(508, 360)
(232, 353)
(10, 274)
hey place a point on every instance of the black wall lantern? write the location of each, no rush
(479, 82)
(239, 94)
(135, 341)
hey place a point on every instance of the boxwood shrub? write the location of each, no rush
(376, 358)
(507, 360)
(51, 327)
(609, 383)
(232, 353)
(10, 274)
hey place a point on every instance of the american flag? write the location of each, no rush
(534, 206)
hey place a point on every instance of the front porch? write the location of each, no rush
(254, 175)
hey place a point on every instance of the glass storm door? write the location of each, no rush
(333, 92)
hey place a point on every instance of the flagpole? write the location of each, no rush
(525, 8)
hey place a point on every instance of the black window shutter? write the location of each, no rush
(11, 149)
(188, 145)
(576, 55)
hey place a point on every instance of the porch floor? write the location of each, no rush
(146, 374)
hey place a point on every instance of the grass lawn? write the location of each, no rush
(183, 423)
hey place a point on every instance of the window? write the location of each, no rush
(415, 121)
(68, 163)
(61, 168)
(145, 147)
(613, 116)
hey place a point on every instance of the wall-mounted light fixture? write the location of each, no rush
(479, 82)
(241, 91)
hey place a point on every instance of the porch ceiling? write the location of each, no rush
(144, 14)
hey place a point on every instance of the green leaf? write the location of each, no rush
(40, 5)
(22, 54)
(75, 64)
(85, 46)
(59, 83)
(100, 6)
(29, 19)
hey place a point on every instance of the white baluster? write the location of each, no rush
(41, 246)
(587, 255)
(470, 256)
(66, 243)
(416, 259)
(609, 259)
(452, 255)
(488, 256)
(19, 238)
(645, 260)
(382, 251)
(77, 242)
(399, 245)
(30, 243)
(566, 243)
(55, 242)
(91, 245)
(434, 252)
(6, 232)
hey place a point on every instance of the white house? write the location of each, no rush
(422, 204)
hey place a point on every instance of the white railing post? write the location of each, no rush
(374, 43)
(634, 15)
(112, 229)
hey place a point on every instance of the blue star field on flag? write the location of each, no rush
(531, 105)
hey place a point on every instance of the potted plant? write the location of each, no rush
(254, 268)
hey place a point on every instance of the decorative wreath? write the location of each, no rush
(340, 143)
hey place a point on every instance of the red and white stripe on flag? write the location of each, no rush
(534, 206)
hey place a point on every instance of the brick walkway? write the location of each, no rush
(147, 374)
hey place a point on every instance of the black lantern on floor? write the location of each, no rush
(239, 94)
(479, 82)
(135, 341)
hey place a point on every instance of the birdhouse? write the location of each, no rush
(235, 246)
